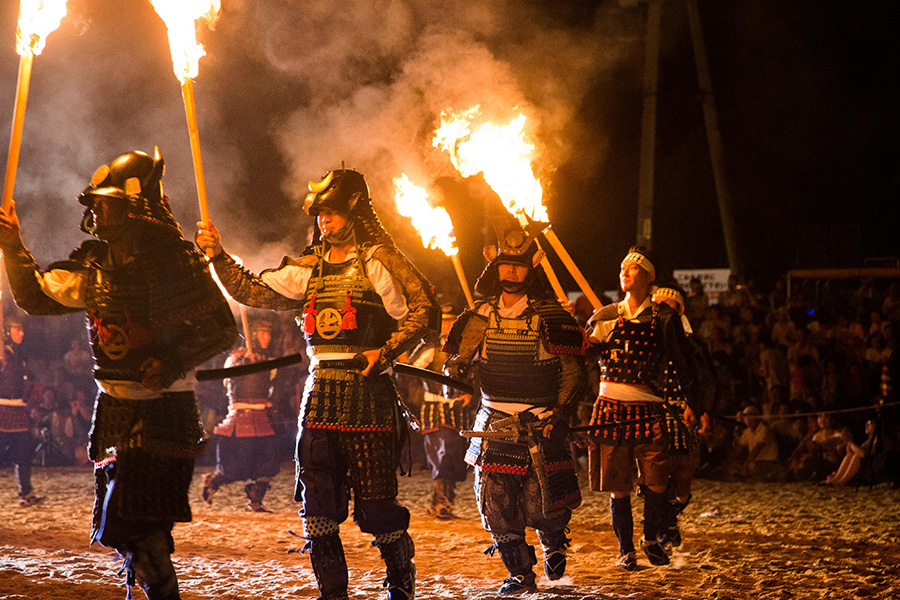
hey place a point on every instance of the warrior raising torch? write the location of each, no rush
(362, 304)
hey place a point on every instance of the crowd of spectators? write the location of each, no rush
(803, 384)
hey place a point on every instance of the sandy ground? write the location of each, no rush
(741, 541)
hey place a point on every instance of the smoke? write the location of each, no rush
(288, 91)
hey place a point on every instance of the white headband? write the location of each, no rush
(641, 261)
(664, 292)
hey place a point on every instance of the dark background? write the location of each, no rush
(805, 92)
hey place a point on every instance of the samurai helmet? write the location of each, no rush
(515, 244)
(136, 178)
(339, 190)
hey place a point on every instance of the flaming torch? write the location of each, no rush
(180, 17)
(37, 19)
(504, 155)
(433, 225)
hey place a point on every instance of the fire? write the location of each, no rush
(501, 152)
(432, 223)
(180, 17)
(37, 20)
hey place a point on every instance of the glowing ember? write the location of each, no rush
(501, 152)
(180, 17)
(37, 20)
(432, 223)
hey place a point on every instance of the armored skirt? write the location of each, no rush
(144, 453)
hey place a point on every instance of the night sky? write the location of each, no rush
(805, 93)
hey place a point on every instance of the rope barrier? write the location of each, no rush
(819, 412)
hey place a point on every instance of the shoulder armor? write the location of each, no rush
(454, 338)
(610, 312)
(559, 330)
(89, 251)
(306, 260)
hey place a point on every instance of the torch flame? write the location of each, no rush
(180, 17)
(432, 223)
(37, 20)
(501, 152)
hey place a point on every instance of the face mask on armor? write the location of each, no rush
(516, 245)
(128, 190)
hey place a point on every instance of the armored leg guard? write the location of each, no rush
(211, 482)
(397, 551)
(670, 533)
(554, 544)
(326, 555)
(656, 509)
(442, 499)
(518, 558)
(623, 523)
(256, 491)
(150, 562)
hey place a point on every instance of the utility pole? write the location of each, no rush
(648, 125)
(714, 138)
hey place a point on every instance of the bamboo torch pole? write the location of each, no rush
(454, 258)
(190, 109)
(15, 141)
(551, 275)
(246, 328)
(563, 255)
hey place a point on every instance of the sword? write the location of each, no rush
(512, 434)
(434, 376)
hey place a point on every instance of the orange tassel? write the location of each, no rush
(348, 321)
(309, 317)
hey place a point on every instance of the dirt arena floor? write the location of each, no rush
(742, 540)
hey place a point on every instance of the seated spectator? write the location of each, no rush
(756, 450)
(854, 456)
(821, 452)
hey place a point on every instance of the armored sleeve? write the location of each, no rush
(463, 343)
(680, 352)
(25, 281)
(250, 289)
(193, 320)
(424, 312)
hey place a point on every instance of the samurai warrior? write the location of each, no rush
(637, 339)
(154, 314)
(681, 425)
(17, 444)
(362, 304)
(530, 354)
(246, 446)
(444, 413)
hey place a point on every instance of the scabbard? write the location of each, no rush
(414, 371)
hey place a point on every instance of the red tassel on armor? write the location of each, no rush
(309, 317)
(348, 321)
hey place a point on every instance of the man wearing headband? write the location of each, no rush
(636, 339)
(363, 304)
(681, 422)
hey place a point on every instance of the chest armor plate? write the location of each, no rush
(633, 355)
(343, 309)
(511, 367)
(118, 312)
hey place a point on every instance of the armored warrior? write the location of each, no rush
(16, 440)
(681, 425)
(530, 354)
(444, 413)
(637, 339)
(363, 304)
(246, 447)
(154, 314)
